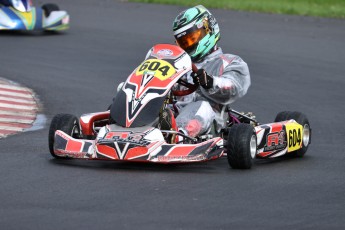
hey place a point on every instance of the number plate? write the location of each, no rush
(158, 68)
(294, 136)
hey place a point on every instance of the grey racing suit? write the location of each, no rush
(231, 80)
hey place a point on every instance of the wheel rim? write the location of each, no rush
(306, 135)
(253, 146)
(75, 131)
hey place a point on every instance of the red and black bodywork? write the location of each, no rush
(128, 130)
(133, 136)
(277, 139)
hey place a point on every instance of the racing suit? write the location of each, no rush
(231, 80)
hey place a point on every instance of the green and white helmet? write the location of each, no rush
(196, 31)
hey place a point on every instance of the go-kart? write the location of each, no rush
(21, 15)
(128, 131)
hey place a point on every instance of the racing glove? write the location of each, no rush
(202, 78)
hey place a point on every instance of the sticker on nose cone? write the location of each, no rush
(158, 68)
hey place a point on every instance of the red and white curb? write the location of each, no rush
(18, 108)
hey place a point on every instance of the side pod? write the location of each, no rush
(279, 138)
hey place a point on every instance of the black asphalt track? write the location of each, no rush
(296, 63)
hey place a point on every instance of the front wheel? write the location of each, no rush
(241, 146)
(301, 119)
(49, 7)
(66, 123)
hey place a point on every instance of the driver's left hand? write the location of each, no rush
(202, 78)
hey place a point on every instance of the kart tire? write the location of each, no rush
(282, 116)
(49, 7)
(241, 146)
(306, 134)
(66, 123)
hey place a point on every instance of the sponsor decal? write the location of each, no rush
(165, 52)
(212, 20)
(180, 57)
(182, 158)
(125, 137)
(275, 141)
(111, 135)
(131, 140)
(181, 34)
(71, 154)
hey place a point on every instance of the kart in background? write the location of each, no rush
(128, 131)
(21, 15)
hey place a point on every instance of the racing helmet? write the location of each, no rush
(196, 31)
(22, 5)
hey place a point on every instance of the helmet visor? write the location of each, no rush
(191, 38)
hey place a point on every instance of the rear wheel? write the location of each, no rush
(302, 120)
(66, 123)
(49, 7)
(282, 116)
(241, 146)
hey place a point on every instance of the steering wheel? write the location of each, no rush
(190, 87)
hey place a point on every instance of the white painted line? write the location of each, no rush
(14, 87)
(13, 113)
(22, 121)
(16, 94)
(11, 128)
(19, 91)
(28, 101)
(5, 105)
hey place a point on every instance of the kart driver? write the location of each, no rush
(223, 78)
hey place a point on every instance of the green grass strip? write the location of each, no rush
(317, 8)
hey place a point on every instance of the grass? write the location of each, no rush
(317, 8)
